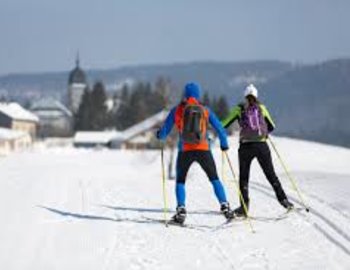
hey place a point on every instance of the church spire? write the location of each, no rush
(77, 60)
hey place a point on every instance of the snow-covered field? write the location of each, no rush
(87, 209)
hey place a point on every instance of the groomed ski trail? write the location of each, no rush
(88, 209)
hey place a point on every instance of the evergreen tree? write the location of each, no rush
(146, 101)
(214, 105)
(125, 94)
(139, 103)
(206, 99)
(161, 93)
(133, 109)
(222, 107)
(98, 108)
(121, 119)
(3, 98)
(82, 118)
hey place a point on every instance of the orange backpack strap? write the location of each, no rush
(205, 121)
(179, 116)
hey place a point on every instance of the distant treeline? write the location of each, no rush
(131, 105)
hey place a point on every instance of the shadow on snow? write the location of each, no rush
(156, 210)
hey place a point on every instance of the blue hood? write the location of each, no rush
(192, 90)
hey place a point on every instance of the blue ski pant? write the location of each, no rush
(206, 161)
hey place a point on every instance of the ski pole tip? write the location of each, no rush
(307, 210)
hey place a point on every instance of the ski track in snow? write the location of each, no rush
(324, 219)
(103, 210)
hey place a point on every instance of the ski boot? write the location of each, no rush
(180, 216)
(240, 212)
(226, 211)
(287, 204)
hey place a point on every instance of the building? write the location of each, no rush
(141, 135)
(13, 140)
(55, 119)
(93, 139)
(77, 84)
(14, 116)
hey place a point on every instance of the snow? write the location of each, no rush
(96, 137)
(67, 208)
(118, 85)
(134, 133)
(49, 114)
(10, 134)
(17, 112)
(50, 107)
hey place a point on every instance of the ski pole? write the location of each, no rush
(289, 175)
(165, 199)
(245, 208)
(223, 171)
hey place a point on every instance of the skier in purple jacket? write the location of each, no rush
(255, 124)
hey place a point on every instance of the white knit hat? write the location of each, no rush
(251, 91)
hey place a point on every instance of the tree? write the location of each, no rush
(206, 99)
(162, 93)
(214, 105)
(4, 99)
(222, 108)
(140, 102)
(83, 116)
(98, 108)
(121, 117)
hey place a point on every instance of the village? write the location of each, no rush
(51, 122)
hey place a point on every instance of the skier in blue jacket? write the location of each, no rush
(191, 119)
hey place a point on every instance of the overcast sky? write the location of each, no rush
(44, 35)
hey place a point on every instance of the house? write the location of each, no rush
(141, 135)
(92, 139)
(14, 116)
(13, 140)
(55, 119)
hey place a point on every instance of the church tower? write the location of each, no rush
(76, 86)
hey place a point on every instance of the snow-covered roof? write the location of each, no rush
(49, 114)
(17, 112)
(140, 140)
(96, 137)
(104, 137)
(49, 104)
(10, 134)
(144, 125)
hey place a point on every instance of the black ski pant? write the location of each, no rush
(260, 150)
(185, 160)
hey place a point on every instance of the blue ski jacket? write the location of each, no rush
(213, 121)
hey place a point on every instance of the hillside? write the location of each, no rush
(307, 101)
(215, 77)
(312, 102)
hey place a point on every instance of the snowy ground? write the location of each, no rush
(88, 209)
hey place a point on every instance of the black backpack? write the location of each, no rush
(194, 124)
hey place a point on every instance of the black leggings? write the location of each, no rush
(260, 150)
(185, 160)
